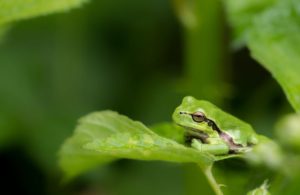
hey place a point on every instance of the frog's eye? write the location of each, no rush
(198, 117)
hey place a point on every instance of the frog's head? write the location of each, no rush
(192, 114)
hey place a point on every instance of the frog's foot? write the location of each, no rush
(216, 149)
(239, 150)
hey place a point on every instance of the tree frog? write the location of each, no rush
(210, 129)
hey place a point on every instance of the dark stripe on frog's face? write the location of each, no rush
(213, 125)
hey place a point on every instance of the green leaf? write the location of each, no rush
(272, 32)
(240, 15)
(288, 131)
(262, 190)
(267, 153)
(275, 43)
(102, 137)
(11, 10)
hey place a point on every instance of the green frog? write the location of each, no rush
(210, 129)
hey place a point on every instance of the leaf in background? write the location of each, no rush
(272, 32)
(267, 153)
(105, 136)
(288, 131)
(11, 10)
(3, 30)
(275, 42)
(262, 190)
(240, 15)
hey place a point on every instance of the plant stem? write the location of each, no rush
(204, 52)
(211, 180)
(205, 55)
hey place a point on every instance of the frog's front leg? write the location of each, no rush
(212, 148)
(200, 136)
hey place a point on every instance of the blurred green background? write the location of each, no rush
(131, 56)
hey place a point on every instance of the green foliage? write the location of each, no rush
(240, 15)
(105, 136)
(288, 131)
(262, 190)
(45, 90)
(275, 42)
(271, 30)
(11, 10)
(204, 55)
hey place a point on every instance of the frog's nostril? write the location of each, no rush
(182, 112)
